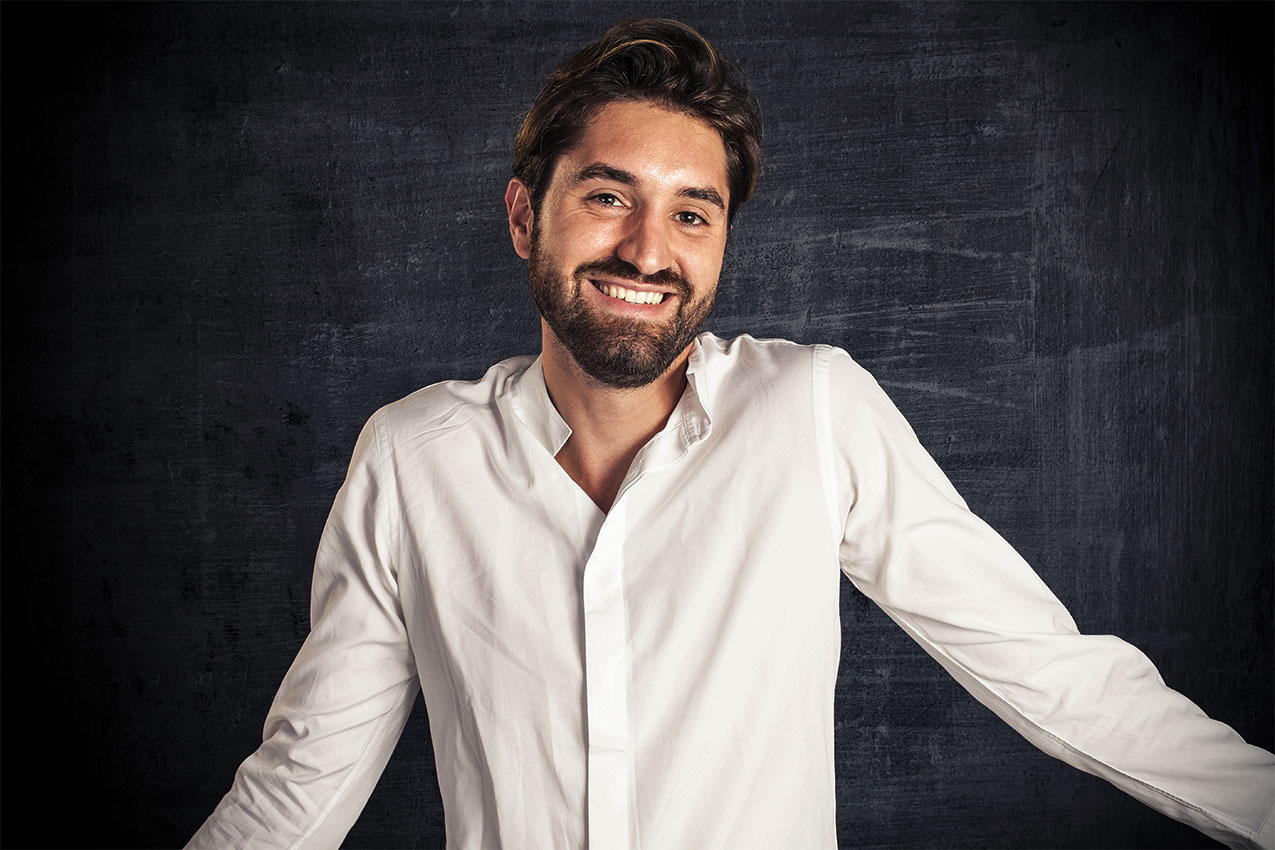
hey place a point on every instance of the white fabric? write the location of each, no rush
(661, 676)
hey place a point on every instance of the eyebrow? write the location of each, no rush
(602, 171)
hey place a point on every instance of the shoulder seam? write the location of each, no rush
(819, 357)
(388, 482)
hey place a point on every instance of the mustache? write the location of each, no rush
(614, 267)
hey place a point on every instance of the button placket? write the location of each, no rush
(606, 641)
(606, 687)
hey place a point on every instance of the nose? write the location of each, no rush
(645, 243)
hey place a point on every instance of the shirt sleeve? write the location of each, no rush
(344, 701)
(1096, 702)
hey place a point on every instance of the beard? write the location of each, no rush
(616, 350)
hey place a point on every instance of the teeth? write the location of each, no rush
(632, 296)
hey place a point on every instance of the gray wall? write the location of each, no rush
(232, 232)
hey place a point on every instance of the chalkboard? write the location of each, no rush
(231, 232)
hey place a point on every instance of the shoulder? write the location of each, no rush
(846, 373)
(753, 368)
(768, 379)
(749, 358)
(444, 407)
(745, 360)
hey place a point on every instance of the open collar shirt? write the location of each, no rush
(661, 675)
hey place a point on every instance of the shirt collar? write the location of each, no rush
(691, 419)
(531, 403)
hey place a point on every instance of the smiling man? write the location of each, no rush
(613, 568)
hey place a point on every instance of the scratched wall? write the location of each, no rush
(231, 232)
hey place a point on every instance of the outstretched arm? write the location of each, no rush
(973, 603)
(344, 702)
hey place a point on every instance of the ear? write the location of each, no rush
(518, 205)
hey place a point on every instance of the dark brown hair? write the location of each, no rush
(655, 59)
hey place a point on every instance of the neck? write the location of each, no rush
(609, 425)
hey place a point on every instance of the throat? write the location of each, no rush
(599, 481)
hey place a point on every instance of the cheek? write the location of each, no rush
(591, 237)
(707, 269)
(580, 239)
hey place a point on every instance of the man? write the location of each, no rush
(614, 568)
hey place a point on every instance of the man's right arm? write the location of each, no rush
(343, 703)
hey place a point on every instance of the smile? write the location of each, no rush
(632, 296)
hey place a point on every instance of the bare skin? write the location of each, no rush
(651, 223)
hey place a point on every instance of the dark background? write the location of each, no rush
(231, 232)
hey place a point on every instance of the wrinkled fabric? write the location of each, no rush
(661, 675)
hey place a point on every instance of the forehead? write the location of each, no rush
(662, 148)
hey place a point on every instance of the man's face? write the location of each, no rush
(639, 204)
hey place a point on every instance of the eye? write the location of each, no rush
(605, 199)
(695, 218)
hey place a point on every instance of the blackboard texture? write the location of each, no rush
(231, 232)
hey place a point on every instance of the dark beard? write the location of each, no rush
(616, 351)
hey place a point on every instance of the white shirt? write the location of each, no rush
(661, 675)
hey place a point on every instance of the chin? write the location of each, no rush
(622, 366)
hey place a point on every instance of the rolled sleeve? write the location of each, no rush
(950, 581)
(343, 703)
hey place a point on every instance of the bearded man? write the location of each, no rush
(614, 568)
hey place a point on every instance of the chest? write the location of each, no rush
(498, 582)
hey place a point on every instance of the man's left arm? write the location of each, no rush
(973, 603)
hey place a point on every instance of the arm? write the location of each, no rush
(344, 701)
(913, 547)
